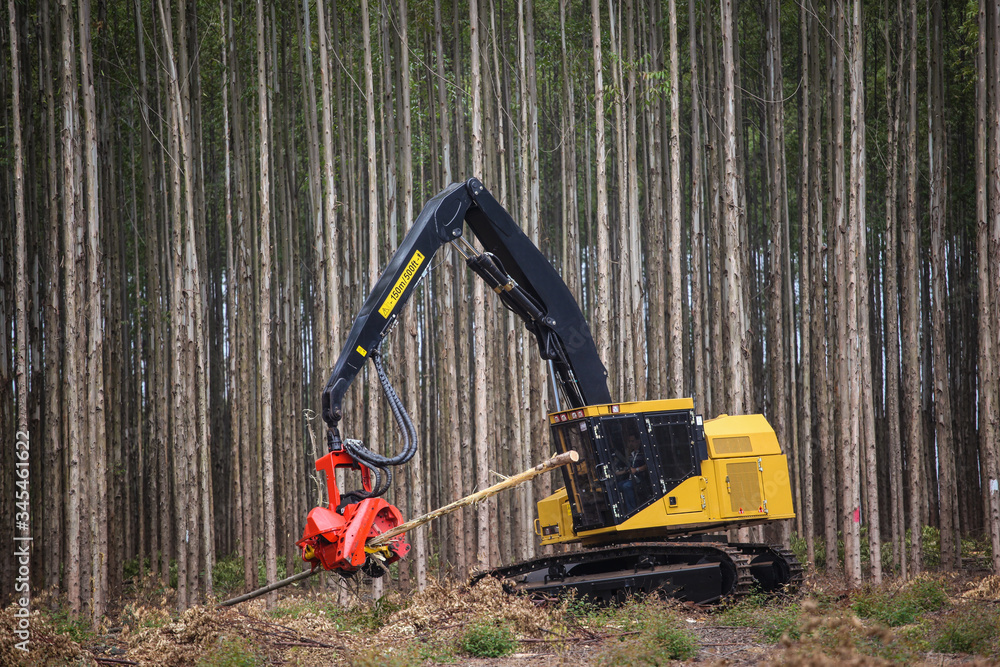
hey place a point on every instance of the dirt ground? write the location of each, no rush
(820, 627)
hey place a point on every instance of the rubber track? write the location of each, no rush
(794, 566)
(791, 562)
(721, 552)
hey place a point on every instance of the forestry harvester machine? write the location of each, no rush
(655, 485)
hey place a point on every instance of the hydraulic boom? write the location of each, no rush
(525, 282)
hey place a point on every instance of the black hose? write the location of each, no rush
(376, 462)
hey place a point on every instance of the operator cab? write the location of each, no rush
(631, 455)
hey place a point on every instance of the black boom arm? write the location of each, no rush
(510, 264)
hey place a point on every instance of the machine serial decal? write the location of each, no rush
(401, 284)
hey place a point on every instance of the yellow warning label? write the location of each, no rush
(401, 284)
(362, 351)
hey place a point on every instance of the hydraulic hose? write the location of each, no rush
(378, 463)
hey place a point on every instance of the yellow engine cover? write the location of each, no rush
(743, 481)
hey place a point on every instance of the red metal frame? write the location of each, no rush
(337, 540)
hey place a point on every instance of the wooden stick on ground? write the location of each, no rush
(518, 479)
(271, 587)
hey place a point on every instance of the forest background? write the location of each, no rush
(774, 206)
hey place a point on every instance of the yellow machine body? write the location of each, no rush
(736, 476)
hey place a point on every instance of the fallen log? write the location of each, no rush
(479, 496)
(270, 587)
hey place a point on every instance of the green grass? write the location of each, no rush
(979, 550)
(343, 619)
(232, 652)
(665, 636)
(902, 607)
(296, 607)
(488, 640)
(774, 618)
(580, 610)
(78, 629)
(262, 569)
(801, 549)
(375, 616)
(370, 617)
(661, 639)
(918, 636)
(930, 550)
(130, 568)
(437, 651)
(832, 630)
(227, 577)
(891, 648)
(135, 616)
(650, 631)
(583, 611)
(974, 629)
(387, 656)
(905, 624)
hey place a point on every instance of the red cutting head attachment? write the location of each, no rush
(336, 539)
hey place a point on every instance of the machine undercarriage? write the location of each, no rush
(703, 572)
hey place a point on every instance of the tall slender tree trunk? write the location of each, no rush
(410, 342)
(23, 528)
(204, 544)
(737, 395)
(331, 299)
(806, 278)
(448, 302)
(699, 288)
(655, 221)
(321, 341)
(675, 308)
(480, 435)
(988, 347)
(892, 352)
(570, 208)
(603, 283)
(443, 107)
(995, 190)
(373, 212)
(95, 336)
(621, 372)
(54, 433)
(72, 332)
(180, 424)
(775, 113)
(264, 314)
(637, 330)
(242, 286)
(236, 413)
(936, 140)
(909, 235)
(858, 199)
(848, 371)
(714, 228)
(822, 323)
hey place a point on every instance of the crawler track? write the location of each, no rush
(699, 572)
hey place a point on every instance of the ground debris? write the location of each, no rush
(47, 646)
(441, 604)
(825, 624)
(175, 642)
(986, 590)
